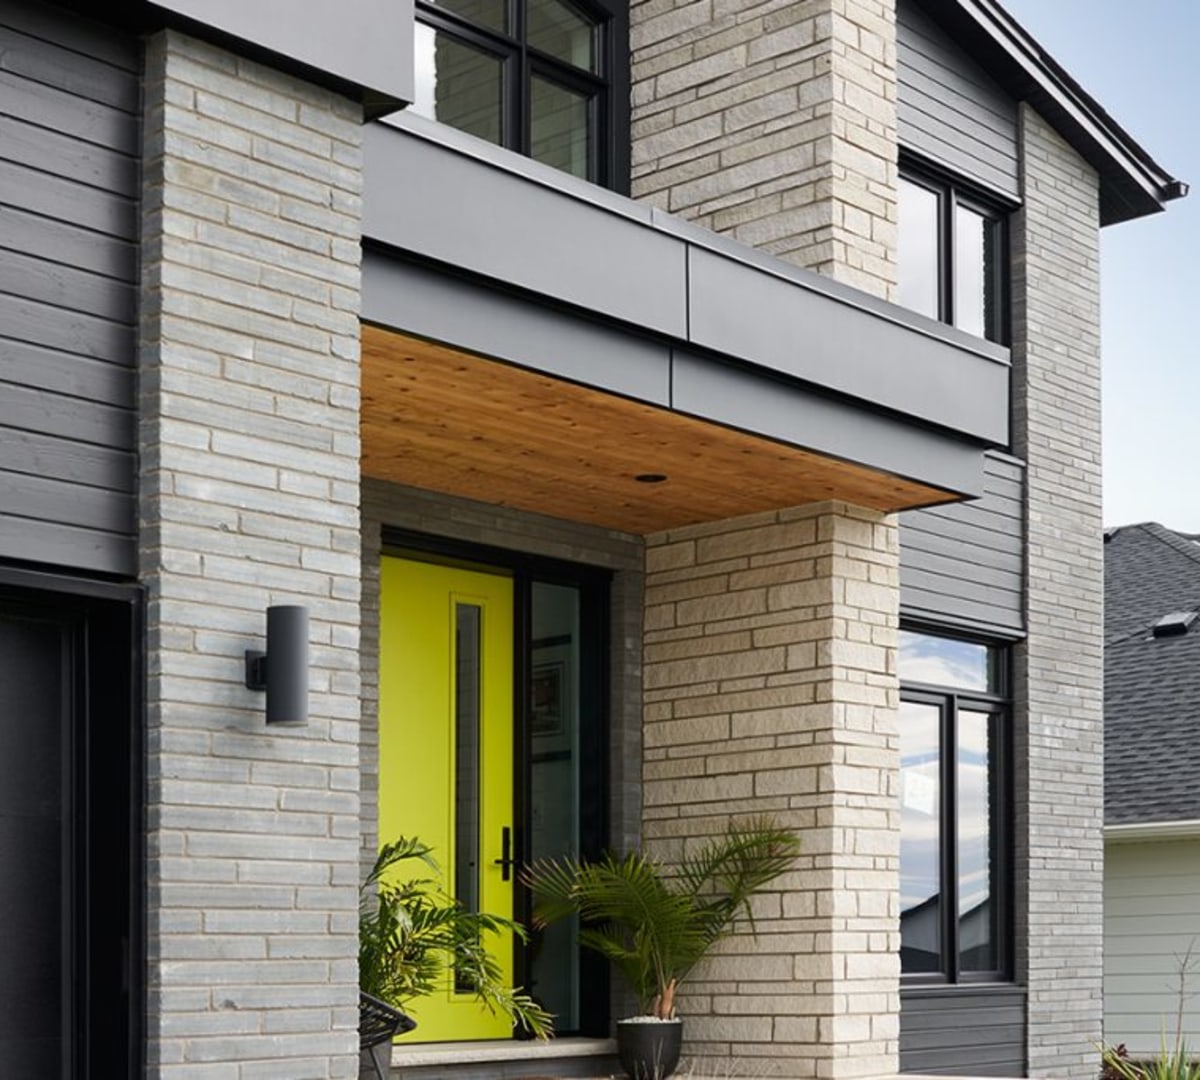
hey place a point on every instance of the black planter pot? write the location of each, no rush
(649, 1051)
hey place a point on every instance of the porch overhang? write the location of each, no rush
(441, 419)
(535, 341)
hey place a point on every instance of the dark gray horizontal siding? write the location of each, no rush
(949, 108)
(963, 1031)
(69, 144)
(962, 564)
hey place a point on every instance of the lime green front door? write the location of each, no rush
(446, 752)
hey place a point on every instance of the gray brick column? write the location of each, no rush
(1060, 677)
(248, 497)
(770, 688)
(774, 124)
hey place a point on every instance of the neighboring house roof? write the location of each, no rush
(1151, 682)
(1132, 183)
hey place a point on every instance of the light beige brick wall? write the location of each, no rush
(770, 688)
(775, 124)
(248, 496)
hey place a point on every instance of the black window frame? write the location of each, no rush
(607, 88)
(952, 192)
(998, 704)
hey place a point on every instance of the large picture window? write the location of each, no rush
(952, 255)
(955, 838)
(541, 77)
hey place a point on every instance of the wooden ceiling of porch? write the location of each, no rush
(443, 420)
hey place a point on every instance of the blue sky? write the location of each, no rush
(1141, 60)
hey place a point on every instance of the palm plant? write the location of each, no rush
(411, 932)
(655, 925)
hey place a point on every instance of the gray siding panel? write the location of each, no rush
(69, 138)
(942, 1028)
(962, 564)
(58, 200)
(949, 109)
(50, 23)
(74, 68)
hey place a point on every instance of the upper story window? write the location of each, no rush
(536, 76)
(955, 836)
(953, 256)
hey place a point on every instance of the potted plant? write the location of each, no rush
(655, 924)
(411, 933)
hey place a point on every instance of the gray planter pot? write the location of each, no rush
(649, 1051)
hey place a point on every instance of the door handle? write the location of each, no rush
(506, 862)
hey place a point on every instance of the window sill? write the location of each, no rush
(940, 989)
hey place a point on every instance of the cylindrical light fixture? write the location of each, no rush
(282, 671)
(287, 664)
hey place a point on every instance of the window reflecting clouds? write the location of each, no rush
(953, 877)
(920, 837)
(976, 912)
(940, 661)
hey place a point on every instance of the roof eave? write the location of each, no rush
(1133, 184)
(1152, 830)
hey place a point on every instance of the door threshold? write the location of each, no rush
(463, 1053)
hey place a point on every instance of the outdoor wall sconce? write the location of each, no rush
(282, 671)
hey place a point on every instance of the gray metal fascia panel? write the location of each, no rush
(426, 198)
(419, 300)
(756, 402)
(742, 311)
(368, 43)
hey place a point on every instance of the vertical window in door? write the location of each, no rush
(467, 683)
(555, 797)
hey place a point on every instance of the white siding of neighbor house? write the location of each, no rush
(1151, 915)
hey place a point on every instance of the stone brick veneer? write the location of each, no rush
(771, 688)
(774, 124)
(248, 496)
(1059, 676)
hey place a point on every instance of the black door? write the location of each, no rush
(67, 836)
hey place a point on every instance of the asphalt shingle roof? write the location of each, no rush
(1151, 685)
